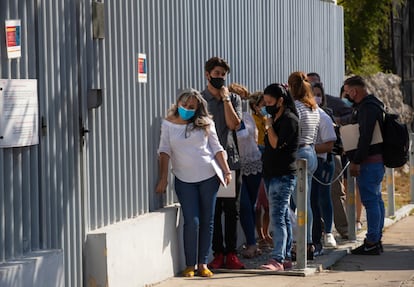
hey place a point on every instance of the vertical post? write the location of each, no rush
(412, 167)
(350, 206)
(390, 191)
(301, 208)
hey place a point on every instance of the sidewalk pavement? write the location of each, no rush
(394, 267)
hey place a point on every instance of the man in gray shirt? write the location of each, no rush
(227, 112)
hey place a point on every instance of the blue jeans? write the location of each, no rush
(197, 204)
(369, 182)
(248, 197)
(278, 191)
(308, 152)
(321, 200)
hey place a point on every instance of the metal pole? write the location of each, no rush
(390, 191)
(301, 208)
(412, 166)
(350, 206)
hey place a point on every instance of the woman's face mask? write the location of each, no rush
(263, 111)
(347, 102)
(272, 110)
(318, 100)
(185, 114)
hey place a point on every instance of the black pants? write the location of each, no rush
(230, 207)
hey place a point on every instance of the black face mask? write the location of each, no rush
(217, 82)
(272, 110)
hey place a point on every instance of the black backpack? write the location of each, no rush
(396, 142)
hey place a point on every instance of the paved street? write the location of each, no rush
(395, 267)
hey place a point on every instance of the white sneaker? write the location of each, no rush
(329, 240)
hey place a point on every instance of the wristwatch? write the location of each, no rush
(226, 99)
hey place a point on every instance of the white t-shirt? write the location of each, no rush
(326, 131)
(190, 151)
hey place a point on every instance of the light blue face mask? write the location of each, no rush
(263, 111)
(185, 114)
(347, 102)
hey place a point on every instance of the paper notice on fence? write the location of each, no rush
(350, 136)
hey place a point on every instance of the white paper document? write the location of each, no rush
(225, 190)
(350, 136)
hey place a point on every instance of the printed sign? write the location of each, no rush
(142, 68)
(13, 38)
(19, 124)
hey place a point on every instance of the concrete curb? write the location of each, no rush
(331, 256)
(336, 254)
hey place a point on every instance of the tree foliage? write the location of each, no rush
(367, 35)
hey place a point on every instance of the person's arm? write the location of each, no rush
(230, 112)
(326, 134)
(221, 159)
(271, 134)
(324, 147)
(163, 172)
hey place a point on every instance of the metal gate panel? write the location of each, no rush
(51, 194)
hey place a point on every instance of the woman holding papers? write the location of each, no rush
(189, 139)
(279, 170)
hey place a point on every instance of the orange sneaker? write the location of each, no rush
(217, 262)
(233, 262)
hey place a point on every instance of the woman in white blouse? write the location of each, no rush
(189, 139)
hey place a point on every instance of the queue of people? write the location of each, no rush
(209, 131)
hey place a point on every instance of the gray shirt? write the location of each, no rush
(216, 108)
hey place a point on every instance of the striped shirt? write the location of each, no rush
(308, 123)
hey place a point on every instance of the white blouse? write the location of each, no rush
(250, 156)
(190, 151)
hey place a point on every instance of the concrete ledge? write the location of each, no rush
(38, 269)
(135, 252)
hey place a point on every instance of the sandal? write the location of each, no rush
(205, 272)
(188, 272)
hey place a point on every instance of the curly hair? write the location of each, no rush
(201, 118)
(301, 89)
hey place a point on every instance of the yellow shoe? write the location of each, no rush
(205, 272)
(188, 272)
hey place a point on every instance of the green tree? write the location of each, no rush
(367, 35)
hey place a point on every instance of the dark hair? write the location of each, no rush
(278, 91)
(314, 74)
(319, 85)
(216, 61)
(355, 81)
(341, 91)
